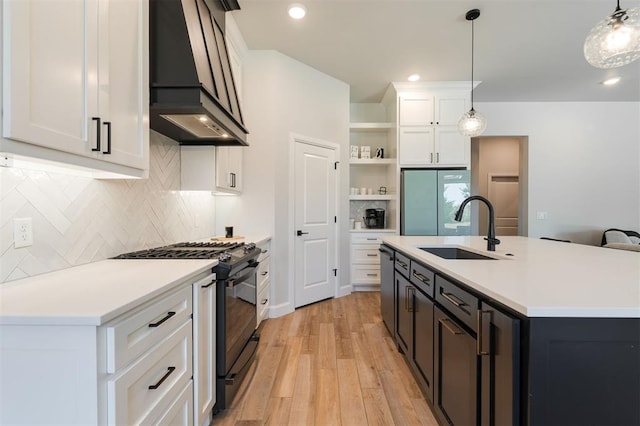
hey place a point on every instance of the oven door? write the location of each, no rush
(240, 312)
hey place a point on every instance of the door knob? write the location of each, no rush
(300, 233)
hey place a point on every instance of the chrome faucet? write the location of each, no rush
(492, 241)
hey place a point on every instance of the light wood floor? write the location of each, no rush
(331, 363)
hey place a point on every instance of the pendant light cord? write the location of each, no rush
(472, 39)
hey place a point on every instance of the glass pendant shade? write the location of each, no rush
(472, 123)
(614, 41)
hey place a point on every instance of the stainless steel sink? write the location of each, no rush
(455, 253)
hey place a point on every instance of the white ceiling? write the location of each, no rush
(525, 50)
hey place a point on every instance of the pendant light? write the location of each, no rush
(472, 123)
(614, 41)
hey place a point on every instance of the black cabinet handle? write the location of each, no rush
(108, 124)
(371, 255)
(479, 350)
(386, 252)
(169, 315)
(446, 323)
(421, 277)
(210, 284)
(167, 374)
(451, 298)
(264, 273)
(264, 301)
(99, 129)
(300, 233)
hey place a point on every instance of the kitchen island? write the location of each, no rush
(541, 333)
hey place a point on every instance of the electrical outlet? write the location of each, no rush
(22, 232)
(541, 215)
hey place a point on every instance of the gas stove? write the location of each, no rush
(224, 252)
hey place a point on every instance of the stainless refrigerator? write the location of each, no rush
(429, 200)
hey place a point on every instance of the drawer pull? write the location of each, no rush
(446, 323)
(402, 264)
(371, 239)
(169, 315)
(264, 273)
(451, 298)
(421, 277)
(479, 350)
(207, 285)
(372, 255)
(264, 301)
(265, 251)
(166, 375)
(372, 275)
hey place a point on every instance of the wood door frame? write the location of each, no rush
(298, 138)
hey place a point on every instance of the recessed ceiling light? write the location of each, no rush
(611, 81)
(297, 11)
(414, 77)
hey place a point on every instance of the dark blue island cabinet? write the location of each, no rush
(479, 362)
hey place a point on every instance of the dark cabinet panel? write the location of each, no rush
(498, 345)
(456, 372)
(423, 278)
(458, 301)
(387, 298)
(423, 341)
(404, 316)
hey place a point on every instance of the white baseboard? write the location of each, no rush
(344, 290)
(366, 287)
(280, 310)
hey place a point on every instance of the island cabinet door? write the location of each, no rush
(455, 371)
(404, 320)
(423, 341)
(499, 350)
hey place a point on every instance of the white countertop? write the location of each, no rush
(542, 278)
(94, 293)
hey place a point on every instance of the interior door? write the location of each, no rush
(503, 194)
(315, 215)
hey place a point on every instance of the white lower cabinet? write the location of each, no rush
(143, 367)
(143, 390)
(204, 349)
(263, 281)
(365, 260)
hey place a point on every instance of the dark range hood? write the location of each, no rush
(193, 94)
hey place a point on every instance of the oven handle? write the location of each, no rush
(237, 280)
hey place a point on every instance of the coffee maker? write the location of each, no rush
(374, 218)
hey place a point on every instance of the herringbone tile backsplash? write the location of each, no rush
(78, 220)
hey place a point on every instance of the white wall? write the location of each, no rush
(584, 164)
(283, 96)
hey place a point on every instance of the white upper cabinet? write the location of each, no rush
(77, 83)
(428, 134)
(229, 169)
(423, 109)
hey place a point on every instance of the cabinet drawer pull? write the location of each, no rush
(167, 374)
(371, 239)
(371, 255)
(431, 158)
(166, 317)
(479, 350)
(421, 277)
(264, 301)
(264, 273)
(402, 264)
(98, 130)
(453, 299)
(108, 124)
(446, 323)
(210, 284)
(372, 275)
(265, 251)
(437, 157)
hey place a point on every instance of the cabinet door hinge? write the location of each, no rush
(335, 165)
(335, 272)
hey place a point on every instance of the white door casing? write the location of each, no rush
(315, 211)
